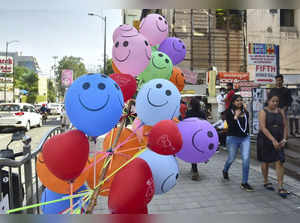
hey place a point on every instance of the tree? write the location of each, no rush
(72, 63)
(51, 91)
(109, 69)
(26, 79)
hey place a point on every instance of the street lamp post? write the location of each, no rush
(6, 52)
(104, 19)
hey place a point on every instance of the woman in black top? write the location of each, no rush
(237, 118)
(195, 111)
(271, 141)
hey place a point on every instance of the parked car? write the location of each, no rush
(55, 108)
(19, 115)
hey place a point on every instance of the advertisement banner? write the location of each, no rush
(259, 53)
(265, 74)
(190, 76)
(66, 78)
(6, 65)
(226, 77)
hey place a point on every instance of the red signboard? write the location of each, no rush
(233, 76)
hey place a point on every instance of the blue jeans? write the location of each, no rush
(233, 143)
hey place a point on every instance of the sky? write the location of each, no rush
(49, 28)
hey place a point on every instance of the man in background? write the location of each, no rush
(221, 101)
(229, 95)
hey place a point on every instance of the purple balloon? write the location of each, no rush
(174, 48)
(200, 140)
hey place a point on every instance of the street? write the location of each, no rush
(36, 134)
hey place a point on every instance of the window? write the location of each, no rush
(234, 18)
(287, 17)
(25, 108)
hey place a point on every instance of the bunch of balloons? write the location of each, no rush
(138, 163)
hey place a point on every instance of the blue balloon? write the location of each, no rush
(94, 104)
(58, 207)
(157, 100)
(164, 169)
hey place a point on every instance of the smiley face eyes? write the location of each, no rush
(182, 74)
(104, 76)
(125, 43)
(101, 86)
(117, 44)
(211, 146)
(160, 55)
(183, 47)
(160, 18)
(158, 85)
(168, 92)
(167, 61)
(210, 134)
(146, 43)
(86, 85)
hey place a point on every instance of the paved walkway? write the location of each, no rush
(212, 194)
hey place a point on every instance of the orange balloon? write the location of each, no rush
(117, 161)
(177, 78)
(119, 157)
(55, 184)
(115, 69)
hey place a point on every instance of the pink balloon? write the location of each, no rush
(155, 28)
(131, 54)
(125, 30)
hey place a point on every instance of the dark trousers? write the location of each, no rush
(222, 138)
(194, 168)
(292, 121)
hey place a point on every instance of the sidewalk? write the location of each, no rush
(213, 195)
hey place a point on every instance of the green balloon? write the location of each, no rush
(154, 48)
(160, 66)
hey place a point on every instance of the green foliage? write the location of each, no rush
(26, 79)
(109, 69)
(41, 98)
(72, 63)
(51, 92)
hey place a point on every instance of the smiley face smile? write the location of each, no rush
(93, 109)
(154, 105)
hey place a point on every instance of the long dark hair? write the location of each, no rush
(234, 98)
(195, 105)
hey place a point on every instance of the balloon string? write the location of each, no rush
(130, 149)
(127, 139)
(71, 199)
(117, 170)
(92, 164)
(95, 161)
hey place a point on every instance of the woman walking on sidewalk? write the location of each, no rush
(195, 111)
(237, 118)
(271, 140)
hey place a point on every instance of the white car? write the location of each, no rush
(19, 115)
(55, 108)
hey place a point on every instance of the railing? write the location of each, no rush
(19, 173)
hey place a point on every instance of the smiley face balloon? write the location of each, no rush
(125, 30)
(164, 169)
(160, 66)
(94, 104)
(157, 100)
(155, 28)
(177, 78)
(174, 48)
(131, 55)
(200, 140)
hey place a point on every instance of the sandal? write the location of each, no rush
(269, 186)
(283, 193)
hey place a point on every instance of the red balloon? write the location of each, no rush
(127, 84)
(66, 154)
(132, 188)
(165, 138)
(140, 210)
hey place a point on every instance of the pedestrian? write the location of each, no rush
(294, 112)
(271, 140)
(222, 131)
(194, 110)
(229, 95)
(237, 118)
(182, 109)
(284, 94)
(221, 101)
